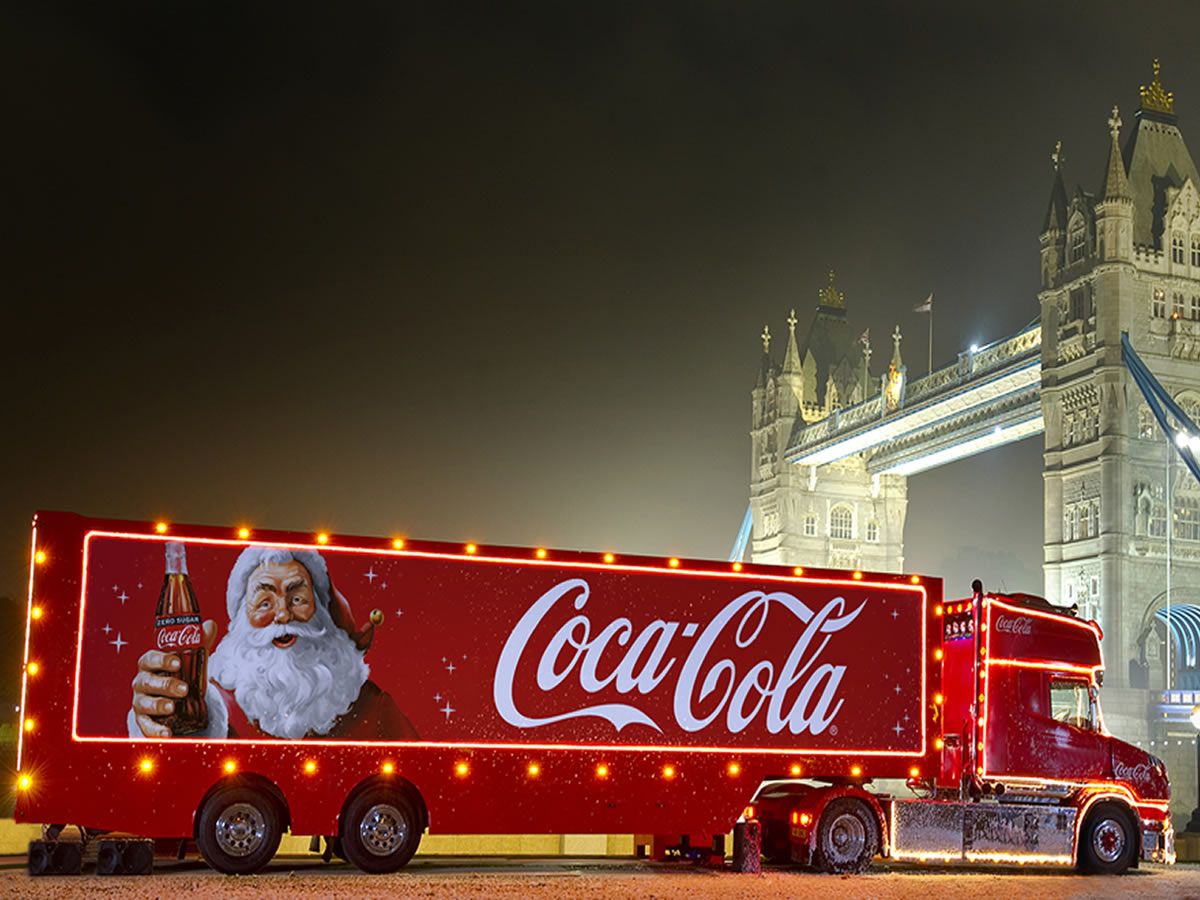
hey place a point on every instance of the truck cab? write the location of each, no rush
(1028, 772)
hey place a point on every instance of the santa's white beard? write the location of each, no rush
(291, 691)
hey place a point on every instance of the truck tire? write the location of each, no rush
(1107, 840)
(380, 830)
(847, 837)
(239, 829)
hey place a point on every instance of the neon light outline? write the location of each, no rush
(915, 589)
(25, 656)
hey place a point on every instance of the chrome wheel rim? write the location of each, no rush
(1108, 840)
(383, 829)
(241, 829)
(847, 838)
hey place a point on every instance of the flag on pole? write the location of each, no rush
(865, 337)
(926, 307)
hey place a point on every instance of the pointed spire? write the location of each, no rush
(1154, 98)
(766, 368)
(1056, 210)
(897, 362)
(830, 296)
(791, 356)
(1116, 183)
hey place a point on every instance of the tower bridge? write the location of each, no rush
(833, 440)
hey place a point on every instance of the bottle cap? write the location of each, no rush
(176, 558)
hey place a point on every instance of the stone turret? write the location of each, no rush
(1054, 226)
(1114, 212)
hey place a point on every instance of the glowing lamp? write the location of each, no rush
(398, 543)
(855, 771)
(602, 771)
(35, 613)
(243, 533)
(805, 819)
(1181, 439)
(938, 743)
(979, 746)
(160, 527)
(609, 558)
(541, 553)
(310, 767)
(230, 767)
(748, 812)
(979, 770)
(533, 770)
(981, 698)
(39, 557)
(471, 549)
(32, 668)
(795, 817)
(737, 567)
(734, 769)
(937, 610)
(938, 698)
(916, 579)
(914, 772)
(799, 570)
(794, 771)
(322, 538)
(673, 563)
(29, 725)
(857, 576)
(24, 782)
(668, 772)
(146, 765)
(388, 768)
(937, 653)
(462, 769)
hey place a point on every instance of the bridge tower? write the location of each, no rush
(1124, 259)
(837, 515)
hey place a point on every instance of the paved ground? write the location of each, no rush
(495, 879)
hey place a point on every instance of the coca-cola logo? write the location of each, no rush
(1014, 624)
(180, 637)
(799, 695)
(1140, 772)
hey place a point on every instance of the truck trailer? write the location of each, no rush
(197, 688)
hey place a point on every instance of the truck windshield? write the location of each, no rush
(1071, 703)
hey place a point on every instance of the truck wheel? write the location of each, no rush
(1107, 841)
(380, 830)
(847, 837)
(238, 830)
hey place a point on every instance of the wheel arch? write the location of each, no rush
(251, 780)
(816, 799)
(1121, 802)
(396, 782)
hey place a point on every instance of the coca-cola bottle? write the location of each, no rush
(178, 630)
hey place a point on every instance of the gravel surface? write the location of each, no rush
(573, 879)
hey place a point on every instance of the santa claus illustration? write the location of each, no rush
(290, 666)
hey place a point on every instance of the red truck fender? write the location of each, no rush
(814, 802)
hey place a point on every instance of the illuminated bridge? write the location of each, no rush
(989, 397)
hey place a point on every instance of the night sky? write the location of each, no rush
(498, 273)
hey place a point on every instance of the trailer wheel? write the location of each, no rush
(1107, 841)
(238, 830)
(380, 830)
(847, 837)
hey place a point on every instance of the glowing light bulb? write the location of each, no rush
(39, 557)
(462, 769)
(29, 725)
(938, 698)
(243, 533)
(938, 743)
(35, 613)
(230, 767)
(398, 543)
(24, 782)
(146, 765)
(310, 767)
(541, 553)
(388, 768)
(32, 668)
(734, 769)
(857, 576)
(608, 557)
(534, 770)
(937, 610)
(471, 549)
(668, 772)
(737, 567)
(805, 819)
(322, 538)
(602, 771)
(1181, 439)
(795, 770)
(916, 579)
(673, 563)
(799, 570)
(937, 653)
(160, 527)
(855, 771)
(914, 772)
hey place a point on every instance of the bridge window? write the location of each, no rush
(1196, 249)
(1146, 423)
(1078, 247)
(1195, 307)
(873, 532)
(1159, 307)
(841, 523)
(1177, 305)
(810, 525)
(1176, 247)
(1069, 525)
(1158, 519)
(1187, 519)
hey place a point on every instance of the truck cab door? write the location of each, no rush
(1072, 744)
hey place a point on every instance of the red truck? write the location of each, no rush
(190, 687)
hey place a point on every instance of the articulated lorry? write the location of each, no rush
(193, 688)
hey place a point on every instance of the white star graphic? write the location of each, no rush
(122, 597)
(107, 629)
(399, 611)
(450, 668)
(437, 698)
(448, 710)
(897, 728)
(897, 689)
(383, 585)
(370, 575)
(895, 615)
(118, 643)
